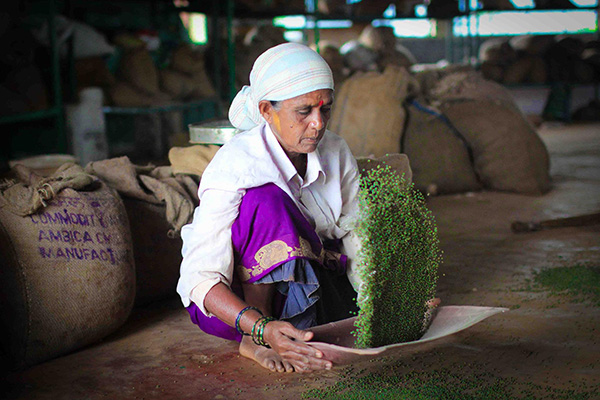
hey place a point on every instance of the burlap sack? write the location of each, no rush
(518, 71)
(439, 159)
(138, 69)
(429, 75)
(532, 44)
(67, 275)
(192, 65)
(192, 160)
(539, 71)
(497, 51)
(368, 111)
(470, 86)
(177, 84)
(157, 254)
(491, 71)
(508, 154)
(185, 59)
(383, 41)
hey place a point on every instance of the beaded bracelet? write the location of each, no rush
(239, 317)
(258, 330)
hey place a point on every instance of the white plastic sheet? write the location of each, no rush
(336, 341)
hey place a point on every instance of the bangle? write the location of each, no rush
(258, 330)
(239, 317)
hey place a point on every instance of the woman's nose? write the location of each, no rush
(317, 120)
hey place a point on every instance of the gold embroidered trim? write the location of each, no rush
(277, 252)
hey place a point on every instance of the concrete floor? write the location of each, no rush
(544, 345)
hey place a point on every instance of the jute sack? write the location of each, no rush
(383, 41)
(508, 154)
(368, 111)
(158, 204)
(518, 72)
(191, 64)
(176, 84)
(157, 255)
(465, 85)
(67, 274)
(439, 156)
(138, 69)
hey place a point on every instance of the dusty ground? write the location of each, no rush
(547, 346)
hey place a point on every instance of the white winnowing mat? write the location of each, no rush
(336, 341)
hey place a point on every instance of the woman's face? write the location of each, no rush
(299, 123)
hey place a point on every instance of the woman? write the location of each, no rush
(260, 264)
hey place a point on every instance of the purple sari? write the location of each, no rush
(274, 243)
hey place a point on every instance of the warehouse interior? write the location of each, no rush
(494, 102)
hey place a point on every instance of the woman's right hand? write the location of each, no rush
(288, 342)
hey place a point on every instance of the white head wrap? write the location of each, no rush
(280, 73)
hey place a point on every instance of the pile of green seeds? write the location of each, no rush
(397, 262)
(443, 384)
(580, 281)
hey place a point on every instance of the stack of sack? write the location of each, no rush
(383, 41)
(138, 82)
(453, 147)
(372, 8)
(186, 78)
(374, 50)
(533, 59)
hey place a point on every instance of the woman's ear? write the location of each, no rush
(266, 110)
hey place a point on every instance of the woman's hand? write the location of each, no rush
(287, 341)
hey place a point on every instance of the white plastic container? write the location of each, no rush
(87, 126)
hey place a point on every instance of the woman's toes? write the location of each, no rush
(288, 367)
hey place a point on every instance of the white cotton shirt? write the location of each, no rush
(326, 196)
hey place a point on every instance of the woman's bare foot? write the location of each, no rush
(431, 305)
(268, 358)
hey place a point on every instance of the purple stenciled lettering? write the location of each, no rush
(52, 219)
(112, 256)
(45, 253)
(74, 253)
(87, 237)
(64, 219)
(75, 218)
(42, 236)
(60, 253)
(70, 253)
(33, 219)
(102, 237)
(54, 236)
(100, 216)
(78, 253)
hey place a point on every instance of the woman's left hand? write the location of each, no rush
(287, 341)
